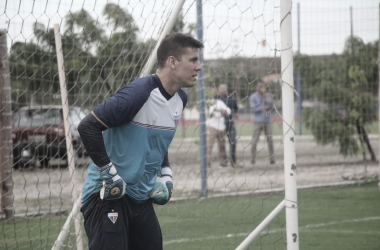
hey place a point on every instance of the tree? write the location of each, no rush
(33, 70)
(356, 52)
(98, 57)
(350, 103)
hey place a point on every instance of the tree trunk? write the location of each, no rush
(364, 138)
(368, 143)
(360, 133)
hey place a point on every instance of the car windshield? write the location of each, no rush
(38, 117)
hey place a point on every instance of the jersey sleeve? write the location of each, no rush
(90, 130)
(124, 104)
(183, 96)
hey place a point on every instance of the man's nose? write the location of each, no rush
(198, 67)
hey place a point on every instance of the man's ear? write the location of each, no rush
(172, 62)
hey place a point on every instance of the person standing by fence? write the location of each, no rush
(231, 102)
(261, 103)
(216, 128)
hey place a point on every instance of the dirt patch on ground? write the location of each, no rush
(50, 189)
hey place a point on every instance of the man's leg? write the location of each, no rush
(106, 223)
(145, 231)
(232, 141)
(211, 135)
(257, 127)
(222, 147)
(269, 135)
(228, 138)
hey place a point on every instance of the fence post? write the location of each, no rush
(6, 182)
(201, 106)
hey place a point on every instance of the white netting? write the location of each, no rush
(104, 48)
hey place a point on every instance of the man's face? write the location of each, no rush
(263, 89)
(187, 68)
(222, 90)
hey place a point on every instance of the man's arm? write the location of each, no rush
(256, 106)
(226, 111)
(112, 112)
(162, 190)
(235, 109)
(90, 130)
(268, 101)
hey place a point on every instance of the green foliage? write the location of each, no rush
(356, 52)
(347, 97)
(99, 57)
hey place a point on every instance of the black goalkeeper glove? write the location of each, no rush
(162, 190)
(113, 184)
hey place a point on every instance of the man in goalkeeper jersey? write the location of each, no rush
(127, 137)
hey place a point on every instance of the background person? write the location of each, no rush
(261, 103)
(127, 137)
(216, 128)
(230, 101)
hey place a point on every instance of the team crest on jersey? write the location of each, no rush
(154, 121)
(113, 217)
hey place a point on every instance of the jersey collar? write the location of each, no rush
(161, 88)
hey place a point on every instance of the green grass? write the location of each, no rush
(329, 218)
(342, 218)
(31, 233)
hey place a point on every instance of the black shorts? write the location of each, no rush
(121, 224)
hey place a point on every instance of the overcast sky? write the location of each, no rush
(231, 28)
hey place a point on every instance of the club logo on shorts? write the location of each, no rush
(115, 190)
(113, 217)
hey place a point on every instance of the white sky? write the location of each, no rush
(231, 27)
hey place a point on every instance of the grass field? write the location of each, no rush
(341, 218)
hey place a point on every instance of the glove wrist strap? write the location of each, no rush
(105, 166)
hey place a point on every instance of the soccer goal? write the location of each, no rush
(77, 54)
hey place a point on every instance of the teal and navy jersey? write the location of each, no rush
(141, 119)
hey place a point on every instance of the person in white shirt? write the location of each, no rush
(216, 128)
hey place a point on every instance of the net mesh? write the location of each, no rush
(107, 43)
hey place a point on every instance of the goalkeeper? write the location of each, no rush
(127, 138)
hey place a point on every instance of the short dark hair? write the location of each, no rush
(174, 45)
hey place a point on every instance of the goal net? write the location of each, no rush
(106, 44)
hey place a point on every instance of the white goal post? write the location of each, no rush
(290, 202)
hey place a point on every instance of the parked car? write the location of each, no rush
(38, 135)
